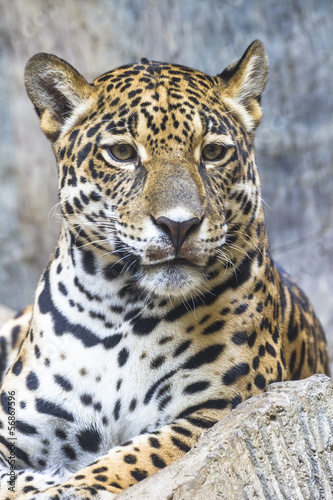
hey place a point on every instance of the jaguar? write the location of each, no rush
(161, 308)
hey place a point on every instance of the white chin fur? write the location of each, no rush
(166, 281)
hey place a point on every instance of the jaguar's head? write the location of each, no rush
(156, 162)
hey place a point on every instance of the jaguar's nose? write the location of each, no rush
(177, 231)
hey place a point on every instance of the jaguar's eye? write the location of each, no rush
(213, 152)
(122, 152)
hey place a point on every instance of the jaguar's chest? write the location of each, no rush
(85, 400)
(102, 365)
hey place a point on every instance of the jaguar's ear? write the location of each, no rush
(56, 90)
(243, 83)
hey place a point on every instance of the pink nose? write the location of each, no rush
(177, 231)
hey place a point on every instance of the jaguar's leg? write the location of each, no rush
(128, 464)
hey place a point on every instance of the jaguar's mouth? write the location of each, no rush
(175, 263)
(176, 277)
(168, 276)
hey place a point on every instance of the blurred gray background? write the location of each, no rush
(294, 140)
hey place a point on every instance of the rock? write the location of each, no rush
(278, 445)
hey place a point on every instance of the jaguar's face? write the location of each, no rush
(160, 174)
(151, 163)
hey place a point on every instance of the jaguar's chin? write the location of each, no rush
(176, 278)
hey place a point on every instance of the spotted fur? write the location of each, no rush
(161, 308)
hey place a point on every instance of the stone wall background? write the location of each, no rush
(294, 141)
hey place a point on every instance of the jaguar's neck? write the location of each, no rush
(246, 237)
(88, 267)
(87, 280)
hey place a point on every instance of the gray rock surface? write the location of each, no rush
(278, 445)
